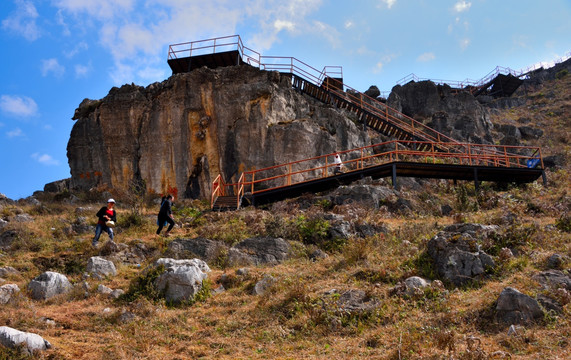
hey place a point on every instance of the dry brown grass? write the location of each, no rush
(295, 320)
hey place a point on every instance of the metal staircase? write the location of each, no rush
(428, 153)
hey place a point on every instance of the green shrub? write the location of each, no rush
(312, 231)
(144, 285)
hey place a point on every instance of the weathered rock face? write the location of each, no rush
(459, 116)
(183, 132)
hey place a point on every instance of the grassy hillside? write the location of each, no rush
(295, 320)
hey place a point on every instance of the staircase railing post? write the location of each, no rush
(506, 155)
(289, 175)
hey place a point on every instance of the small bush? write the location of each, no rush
(312, 231)
(144, 286)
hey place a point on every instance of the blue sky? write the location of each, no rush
(55, 53)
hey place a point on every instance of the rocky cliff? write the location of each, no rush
(181, 133)
(458, 115)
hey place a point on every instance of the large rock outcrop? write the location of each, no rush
(181, 133)
(457, 115)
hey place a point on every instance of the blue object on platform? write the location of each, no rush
(531, 163)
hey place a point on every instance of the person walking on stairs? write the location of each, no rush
(338, 164)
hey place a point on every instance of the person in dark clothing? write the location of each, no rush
(165, 215)
(105, 214)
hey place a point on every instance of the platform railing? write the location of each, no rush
(291, 173)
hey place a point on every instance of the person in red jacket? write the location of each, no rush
(105, 214)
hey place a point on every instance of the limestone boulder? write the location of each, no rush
(48, 285)
(263, 285)
(12, 338)
(101, 266)
(204, 249)
(457, 256)
(182, 279)
(8, 293)
(513, 307)
(259, 250)
(553, 279)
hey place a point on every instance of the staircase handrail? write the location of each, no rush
(218, 189)
(472, 154)
(213, 46)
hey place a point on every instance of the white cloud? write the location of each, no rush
(81, 71)
(61, 21)
(427, 56)
(17, 132)
(151, 73)
(280, 25)
(44, 159)
(389, 3)
(130, 29)
(52, 66)
(80, 46)
(462, 6)
(23, 21)
(22, 106)
(464, 43)
(100, 9)
(382, 62)
(348, 24)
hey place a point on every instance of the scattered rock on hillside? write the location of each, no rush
(48, 285)
(456, 254)
(97, 265)
(80, 226)
(58, 186)
(553, 279)
(4, 200)
(263, 285)
(549, 304)
(182, 279)
(556, 161)
(8, 271)
(200, 247)
(555, 261)
(20, 218)
(367, 195)
(259, 250)
(8, 293)
(513, 307)
(528, 132)
(12, 338)
(7, 238)
(356, 301)
(412, 286)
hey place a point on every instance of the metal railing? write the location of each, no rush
(295, 172)
(468, 83)
(214, 46)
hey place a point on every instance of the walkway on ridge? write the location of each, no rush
(419, 151)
